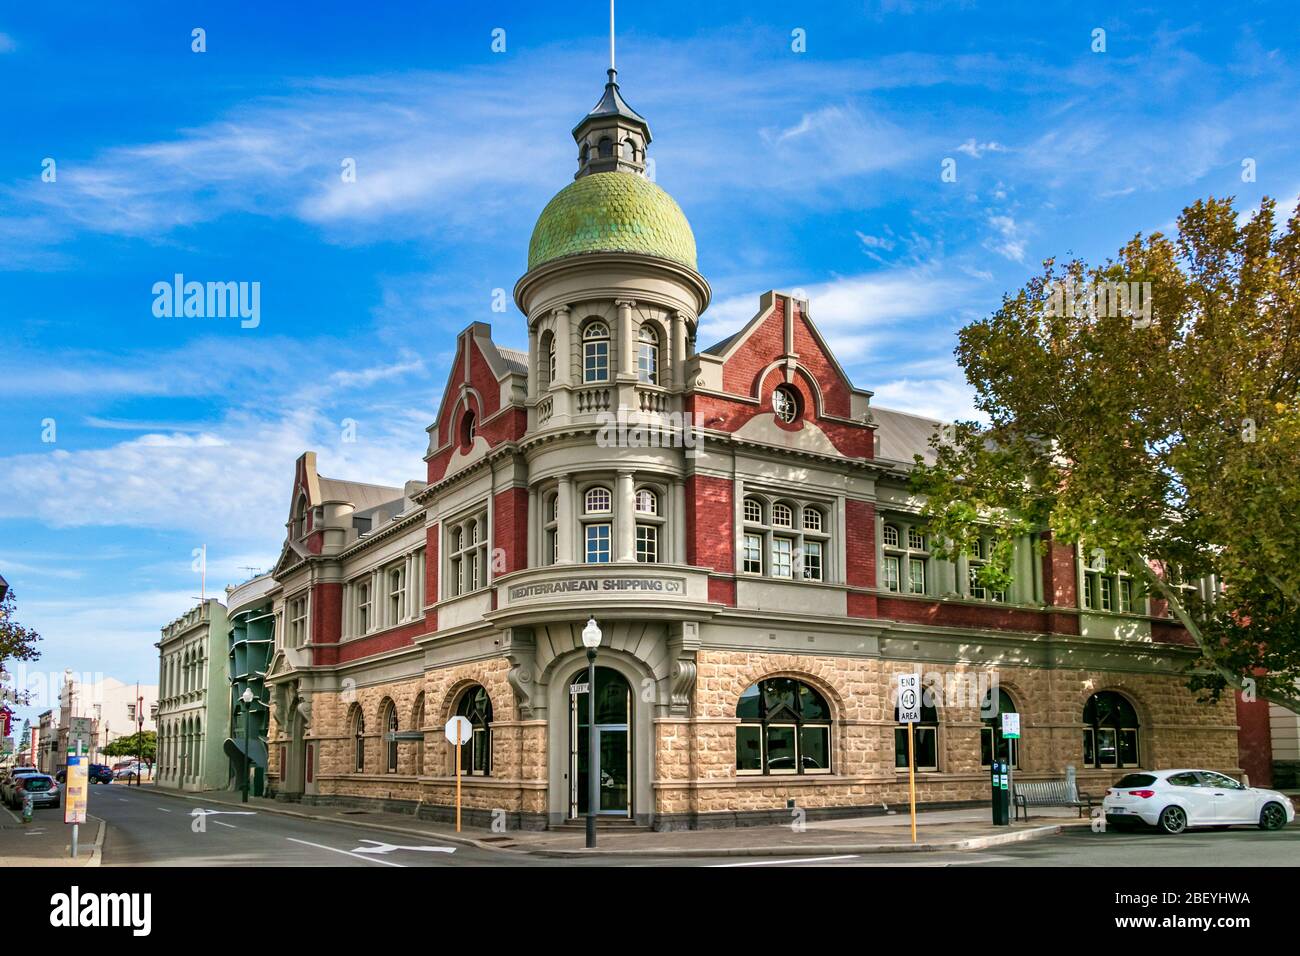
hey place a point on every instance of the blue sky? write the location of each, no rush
(817, 171)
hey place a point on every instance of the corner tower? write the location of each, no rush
(612, 292)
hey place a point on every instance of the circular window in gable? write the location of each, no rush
(785, 403)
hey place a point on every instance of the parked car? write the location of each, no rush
(126, 773)
(43, 788)
(1174, 800)
(7, 780)
(97, 773)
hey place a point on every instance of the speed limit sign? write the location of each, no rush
(909, 698)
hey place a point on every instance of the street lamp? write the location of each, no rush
(591, 640)
(247, 698)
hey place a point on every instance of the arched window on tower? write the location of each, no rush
(595, 352)
(647, 355)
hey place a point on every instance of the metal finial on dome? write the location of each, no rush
(613, 137)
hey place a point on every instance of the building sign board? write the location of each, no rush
(663, 585)
(1011, 726)
(75, 789)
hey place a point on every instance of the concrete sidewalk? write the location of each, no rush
(46, 840)
(936, 830)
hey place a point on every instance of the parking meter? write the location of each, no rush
(1001, 795)
(27, 807)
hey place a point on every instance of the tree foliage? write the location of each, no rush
(1167, 441)
(143, 745)
(16, 642)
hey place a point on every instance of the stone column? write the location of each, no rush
(679, 349)
(677, 521)
(533, 359)
(624, 519)
(564, 530)
(626, 347)
(535, 523)
(563, 347)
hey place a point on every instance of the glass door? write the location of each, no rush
(613, 744)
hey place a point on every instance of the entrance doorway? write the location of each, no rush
(613, 700)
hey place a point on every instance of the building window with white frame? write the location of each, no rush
(364, 616)
(597, 537)
(550, 529)
(974, 561)
(647, 355)
(468, 555)
(647, 543)
(298, 621)
(649, 521)
(595, 352)
(784, 539)
(396, 594)
(905, 567)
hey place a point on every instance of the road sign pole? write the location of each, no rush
(911, 778)
(458, 777)
(75, 826)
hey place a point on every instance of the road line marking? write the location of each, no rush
(805, 859)
(322, 846)
(163, 809)
(220, 824)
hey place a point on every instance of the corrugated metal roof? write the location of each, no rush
(516, 360)
(901, 435)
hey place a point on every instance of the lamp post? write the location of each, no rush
(247, 698)
(591, 640)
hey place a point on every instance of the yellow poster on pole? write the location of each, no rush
(75, 790)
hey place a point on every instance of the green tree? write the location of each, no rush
(1167, 442)
(16, 641)
(26, 740)
(143, 745)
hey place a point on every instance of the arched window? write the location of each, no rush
(785, 727)
(992, 744)
(597, 535)
(595, 352)
(753, 511)
(647, 355)
(648, 521)
(390, 738)
(476, 753)
(417, 723)
(605, 148)
(467, 430)
(358, 741)
(1110, 732)
(299, 525)
(891, 536)
(782, 516)
(925, 736)
(546, 360)
(812, 519)
(597, 501)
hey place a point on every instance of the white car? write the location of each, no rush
(1174, 800)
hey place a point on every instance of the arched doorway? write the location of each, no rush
(613, 708)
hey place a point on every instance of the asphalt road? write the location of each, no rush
(145, 829)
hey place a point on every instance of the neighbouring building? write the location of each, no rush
(737, 520)
(1285, 752)
(250, 640)
(194, 706)
(110, 708)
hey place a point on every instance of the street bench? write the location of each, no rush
(1050, 793)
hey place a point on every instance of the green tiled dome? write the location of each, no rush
(612, 212)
